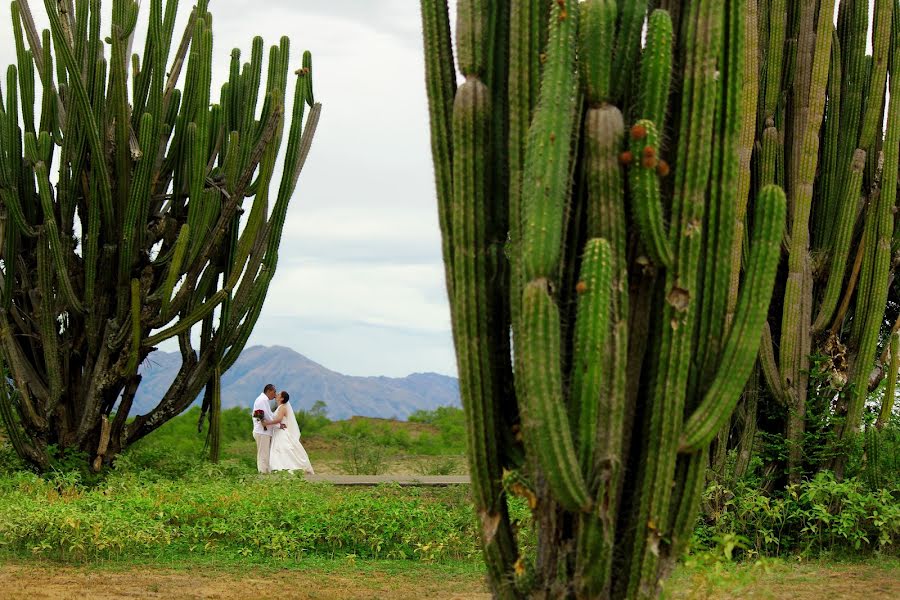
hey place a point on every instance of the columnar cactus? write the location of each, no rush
(633, 327)
(137, 239)
(839, 167)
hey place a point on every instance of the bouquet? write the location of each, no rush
(260, 416)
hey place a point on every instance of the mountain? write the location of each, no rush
(307, 382)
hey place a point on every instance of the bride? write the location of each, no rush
(287, 453)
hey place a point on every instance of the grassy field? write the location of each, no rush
(432, 445)
(167, 523)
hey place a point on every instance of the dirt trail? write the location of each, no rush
(47, 581)
(802, 581)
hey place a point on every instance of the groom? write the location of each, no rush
(262, 430)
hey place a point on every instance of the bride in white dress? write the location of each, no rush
(287, 453)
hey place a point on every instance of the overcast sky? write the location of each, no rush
(359, 286)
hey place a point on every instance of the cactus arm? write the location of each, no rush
(441, 88)
(774, 64)
(769, 366)
(49, 99)
(472, 272)
(21, 10)
(52, 231)
(628, 45)
(830, 185)
(740, 348)
(876, 263)
(646, 204)
(591, 331)
(8, 419)
(719, 231)
(135, 351)
(187, 321)
(11, 201)
(546, 427)
(843, 233)
(853, 36)
(596, 39)
(890, 390)
(13, 141)
(691, 480)
(874, 111)
(749, 99)
(82, 101)
(90, 243)
(25, 59)
(546, 178)
(806, 145)
(119, 114)
(656, 69)
(139, 191)
(48, 323)
(523, 90)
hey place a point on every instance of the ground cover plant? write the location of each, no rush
(217, 510)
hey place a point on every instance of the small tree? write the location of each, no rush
(121, 217)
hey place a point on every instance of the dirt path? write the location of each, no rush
(48, 581)
(42, 580)
(797, 581)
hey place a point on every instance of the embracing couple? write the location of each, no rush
(277, 435)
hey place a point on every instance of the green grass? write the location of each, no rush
(431, 443)
(214, 511)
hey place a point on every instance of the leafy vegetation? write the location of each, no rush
(433, 443)
(817, 517)
(222, 511)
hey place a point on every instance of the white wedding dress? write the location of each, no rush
(287, 453)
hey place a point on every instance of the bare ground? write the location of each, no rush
(798, 581)
(43, 580)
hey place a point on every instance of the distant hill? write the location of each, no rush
(307, 382)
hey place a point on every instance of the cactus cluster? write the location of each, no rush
(120, 216)
(835, 150)
(591, 193)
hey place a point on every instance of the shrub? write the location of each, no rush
(214, 512)
(361, 456)
(818, 515)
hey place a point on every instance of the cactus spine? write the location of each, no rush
(157, 177)
(585, 302)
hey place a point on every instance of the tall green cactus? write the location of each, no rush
(632, 339)
(138, 238)
(839, 167)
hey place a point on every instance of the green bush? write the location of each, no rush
(361, 456)
(451, 424)
(820, 515)
(214, 512)
(313, 420)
